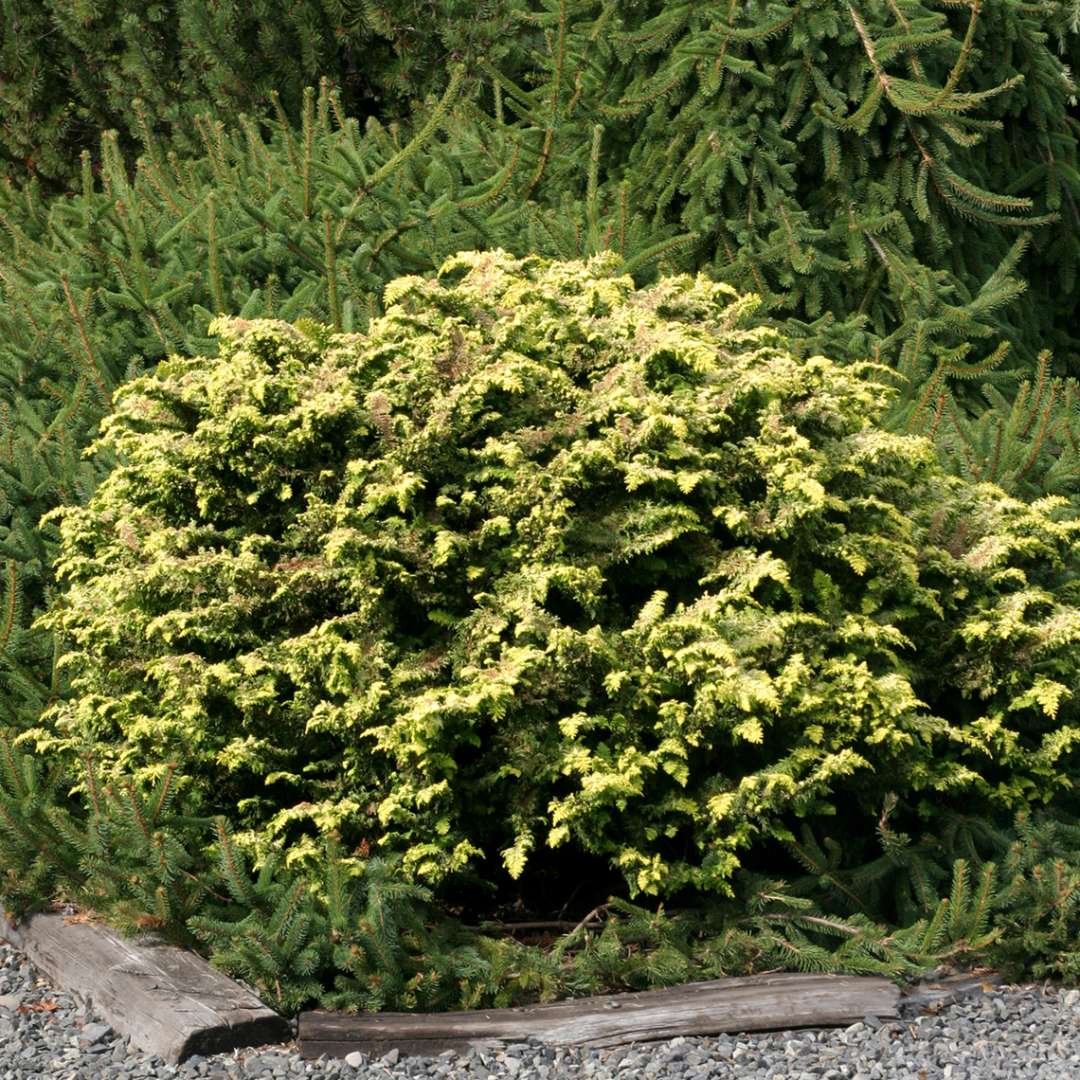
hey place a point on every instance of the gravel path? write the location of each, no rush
(1014, 1034)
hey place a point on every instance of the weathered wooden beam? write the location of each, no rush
(168, 1001)
(757, 1003)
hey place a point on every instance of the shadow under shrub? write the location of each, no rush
(542, 559)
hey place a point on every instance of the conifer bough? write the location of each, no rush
(543, 562)
(69, 70)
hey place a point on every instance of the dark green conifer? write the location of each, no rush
(68, 70)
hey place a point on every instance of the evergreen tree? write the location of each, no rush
(68, 70)
(828, 156)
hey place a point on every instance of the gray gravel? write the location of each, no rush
(1012, 1034)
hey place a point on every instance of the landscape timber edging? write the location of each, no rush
(169, 1002)
(756, 1003)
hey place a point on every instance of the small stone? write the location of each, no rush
(10, 1002)
(355, 1059)
(94, 1033)
(391, 1057)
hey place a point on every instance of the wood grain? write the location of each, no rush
(168, 1001)
(757, 1003)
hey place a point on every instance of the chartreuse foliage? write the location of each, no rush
(546, 564)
